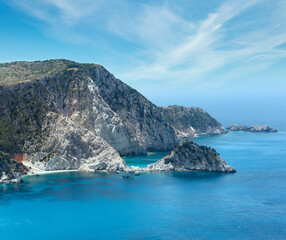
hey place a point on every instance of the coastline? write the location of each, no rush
(51, 172)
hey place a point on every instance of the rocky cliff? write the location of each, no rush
(63, 115)
(191, 157)
(192, 122)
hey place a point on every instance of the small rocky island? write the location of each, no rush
(256, 128)
(189, 156)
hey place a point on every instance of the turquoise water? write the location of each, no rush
(143, 161)
(250, 204)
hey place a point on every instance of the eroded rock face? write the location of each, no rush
(68, 146)
(147, 122)
(192, 122)
(189, 156)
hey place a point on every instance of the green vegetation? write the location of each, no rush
(20, 118)
(17, 72)
(193, 147)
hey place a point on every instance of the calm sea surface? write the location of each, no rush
(250, 204)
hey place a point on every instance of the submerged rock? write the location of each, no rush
(190, 156)
(127, 177)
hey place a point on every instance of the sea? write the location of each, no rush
(248, 204)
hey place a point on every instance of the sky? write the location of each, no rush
(227, 56)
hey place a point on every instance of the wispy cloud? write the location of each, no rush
(207, 49)
(68, 11)
(167, 46)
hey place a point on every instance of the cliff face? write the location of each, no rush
(63, 115)
(192, 122)
(145, 120)
(66, 145)
(191, 157)
(78, 117)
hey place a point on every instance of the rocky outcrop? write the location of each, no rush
(15, 178)
(192, 122)
(257, 128)
(189, 156)
(11, 171)
(235, 127)
(261, 128)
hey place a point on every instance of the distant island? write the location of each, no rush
(62, 115)
(257, 128)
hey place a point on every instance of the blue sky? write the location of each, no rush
(191, 52)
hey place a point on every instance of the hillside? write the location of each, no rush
(60, 114)
(192, 122)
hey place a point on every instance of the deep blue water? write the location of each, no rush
(250, 204)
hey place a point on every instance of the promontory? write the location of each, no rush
(63, 115)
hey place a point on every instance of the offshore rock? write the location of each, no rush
(261, 128)
(189, 156)
(235, 127)
(257, 128)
